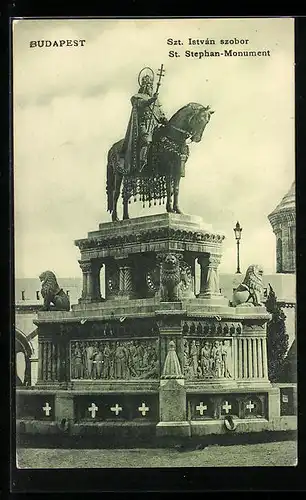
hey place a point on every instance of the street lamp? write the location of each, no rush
(237, 231)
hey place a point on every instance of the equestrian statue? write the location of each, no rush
(149, 162)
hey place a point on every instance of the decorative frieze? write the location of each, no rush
(208, 359)
(122, 328)
(212, 328)
(110, 360)
(149, 236)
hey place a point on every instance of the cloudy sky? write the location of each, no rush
(72, 103)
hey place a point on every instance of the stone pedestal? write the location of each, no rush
(121, 247)
(273, 403)
(153, 355)
(172, 398)
(172, 401)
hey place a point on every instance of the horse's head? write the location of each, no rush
(192, 119)
(198, 121)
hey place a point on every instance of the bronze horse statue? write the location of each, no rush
(165, 165)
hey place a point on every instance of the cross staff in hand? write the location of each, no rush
(160, 75)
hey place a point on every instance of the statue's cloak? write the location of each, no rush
(130, 149)
(141, 114)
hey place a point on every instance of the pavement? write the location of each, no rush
(283, 453)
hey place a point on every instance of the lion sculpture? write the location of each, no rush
(175, 278)
(55, 298)
(250, 291)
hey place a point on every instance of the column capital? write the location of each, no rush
(211, 260)
(85, 265)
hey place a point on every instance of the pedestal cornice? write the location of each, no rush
(151, 234)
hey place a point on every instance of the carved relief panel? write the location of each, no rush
(114, 359)
(208, 358)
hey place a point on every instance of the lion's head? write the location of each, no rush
(49, 283)
(171, 262)
(254, 277)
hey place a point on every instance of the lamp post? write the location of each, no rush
(237, 231)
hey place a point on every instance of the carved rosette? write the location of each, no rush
(187, 280)
(152, 278)
(112, 280)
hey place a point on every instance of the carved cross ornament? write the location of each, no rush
(47, 408)
(93, 409)
(201, 408)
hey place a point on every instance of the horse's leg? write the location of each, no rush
(125, 208)
(169, 195)
(176, 208)
(116, 194)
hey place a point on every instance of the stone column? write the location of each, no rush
(265, 357)
(91, 280)
(126, 285)
(48, 362)
(209, 286)
(251, 355)
(40, 362)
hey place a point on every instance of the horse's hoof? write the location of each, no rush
(177, 210)
(125, 218)
(115, 219)
(169, 209)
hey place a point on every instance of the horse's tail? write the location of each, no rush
(110, 181)
(113, 158)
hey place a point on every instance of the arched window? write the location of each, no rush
(23, 352)
(279, 256)
(102, 281)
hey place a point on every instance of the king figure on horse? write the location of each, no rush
(150, 161)
(146, 115)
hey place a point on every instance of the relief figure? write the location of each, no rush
(78, 366)
(120, 361)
